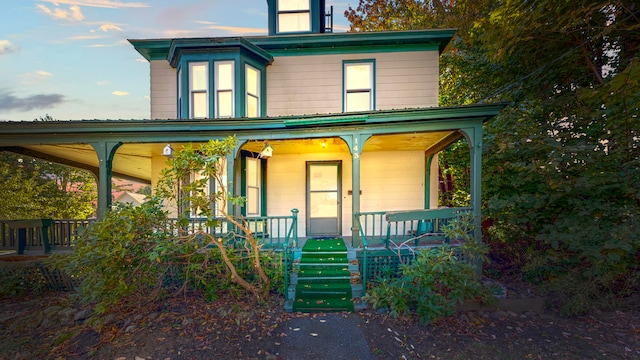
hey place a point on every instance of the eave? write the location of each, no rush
(161, 49)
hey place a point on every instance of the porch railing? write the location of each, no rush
(272, 232)
(402, 229)
(35, 234)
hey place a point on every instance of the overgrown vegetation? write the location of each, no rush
(139, 253)
(437, 280)
(561, 163)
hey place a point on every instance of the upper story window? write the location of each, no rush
(199, 90)
(294, 16)
(224, 80)
(359, 86)
(253, 91)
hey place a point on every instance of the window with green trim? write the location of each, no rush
(358, 86)
(253, 91)
(199, 90)
(294, 16)
(253, 186)
(224, 81)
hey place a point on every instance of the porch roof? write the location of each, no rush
(69, 141)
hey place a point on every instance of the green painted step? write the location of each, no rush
(323, 277)
(324, 305)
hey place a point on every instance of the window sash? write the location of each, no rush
(252, 85)
(358, 85)
(253, 186)
(224, 81)
(199, 90)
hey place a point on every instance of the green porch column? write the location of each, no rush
(105, 150)
(355, 143)
(474, 139)
(427, 181)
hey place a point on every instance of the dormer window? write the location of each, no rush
(294, 16)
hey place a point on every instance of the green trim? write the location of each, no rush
(152, 49)
(211, 47)
(427, 181)
(303, 122)
(266, 47)
(332, 50)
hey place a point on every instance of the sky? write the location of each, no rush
(70, 59)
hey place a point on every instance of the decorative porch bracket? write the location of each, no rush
(105, 150)
(355, 142)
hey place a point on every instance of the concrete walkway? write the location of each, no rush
(325, 336)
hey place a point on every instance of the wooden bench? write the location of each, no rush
(424, 225)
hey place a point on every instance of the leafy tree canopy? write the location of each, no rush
(36, 189)
(562, 162)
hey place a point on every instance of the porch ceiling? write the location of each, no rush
(133, 161)
(426, 141)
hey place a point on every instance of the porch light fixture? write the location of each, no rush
(324, 143)
(167, 151)
(266, 152)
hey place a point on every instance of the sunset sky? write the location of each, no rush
(69, 59)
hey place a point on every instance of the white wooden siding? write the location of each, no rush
(163, 90)
(389, 181)
(313, 84)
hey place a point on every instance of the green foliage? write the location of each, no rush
(40, 189)
(562, 162)
(139, 254)
(438, 278)
(432, 285)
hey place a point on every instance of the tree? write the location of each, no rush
(561, 163)
(39, 189)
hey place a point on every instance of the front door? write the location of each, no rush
(324, 212)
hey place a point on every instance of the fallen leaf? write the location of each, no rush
(314, 334)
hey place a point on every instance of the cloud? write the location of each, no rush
(109, 26)
(10, 102)
(142, 61)
(120, 93)
(234, 30)
(35, 77)
(85, 37)
(103, 82)
(7, 47)
(73, 14)
(100, 3)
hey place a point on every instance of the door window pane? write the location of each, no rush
(323, 178)
(324, 204)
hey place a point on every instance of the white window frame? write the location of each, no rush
(348, 89)
(256, 188)
(219, 90)
(249, 94)
(193, 91)
(297, 11)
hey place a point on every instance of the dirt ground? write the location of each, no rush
(53, 326)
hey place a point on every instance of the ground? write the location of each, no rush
(54, 326)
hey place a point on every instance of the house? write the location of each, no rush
(350, 123)
(128, 197)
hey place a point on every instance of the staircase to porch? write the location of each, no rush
(325, 277)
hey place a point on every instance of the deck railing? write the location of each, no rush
(272, 232)
(60, 234)
(398, 230)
